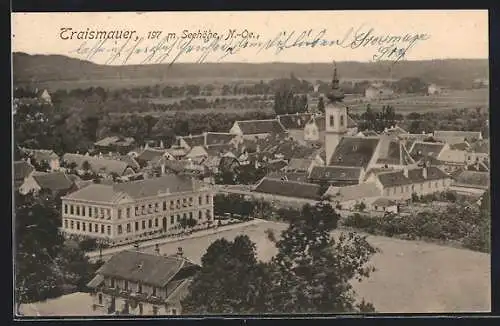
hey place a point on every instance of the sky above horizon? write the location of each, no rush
(255, 37)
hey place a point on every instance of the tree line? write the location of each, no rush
(461, 222)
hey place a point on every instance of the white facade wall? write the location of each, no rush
(120, 221)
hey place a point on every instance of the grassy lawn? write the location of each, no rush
(411, 276)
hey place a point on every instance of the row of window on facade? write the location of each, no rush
(140, 305)
(77, 224)
(332, 121)
(406, 189)
(173, 218)
(142, 210)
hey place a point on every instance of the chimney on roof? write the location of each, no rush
(424, 172)
(161, 144)
(405, 171)
(157, 249)
(180, 252)
(162, 167)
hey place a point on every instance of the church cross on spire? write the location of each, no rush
(336, 94)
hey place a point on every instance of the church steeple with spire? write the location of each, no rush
(336, 94)
(335, 117)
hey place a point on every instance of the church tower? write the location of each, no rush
(335, 117)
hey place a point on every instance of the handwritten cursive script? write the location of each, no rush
(216, 47)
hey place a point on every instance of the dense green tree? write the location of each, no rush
(230, 280)
(45, 267)
(311, 273)
(314, 270)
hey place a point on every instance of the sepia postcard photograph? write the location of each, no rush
(250, 163)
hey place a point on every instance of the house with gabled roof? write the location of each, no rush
(392, 153)
(348, 197)
(478, 151)
(257, 129)
(336, 175)
(38, 157)
(471, 182)
(98, 164)
(207, 139)
(139, 283)
(279, 191)
(118, 144)
(53, 182)
(355, 152)
(401, 184)
(149, 154)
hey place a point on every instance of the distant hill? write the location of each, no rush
(47, 68)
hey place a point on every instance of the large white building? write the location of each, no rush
(128, 211)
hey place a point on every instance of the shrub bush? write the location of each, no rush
(460, 222)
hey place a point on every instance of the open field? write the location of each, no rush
(198, 111)
(452, 99)
(411, 276)
(117, 83)
(172, 100)
(456, 99)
